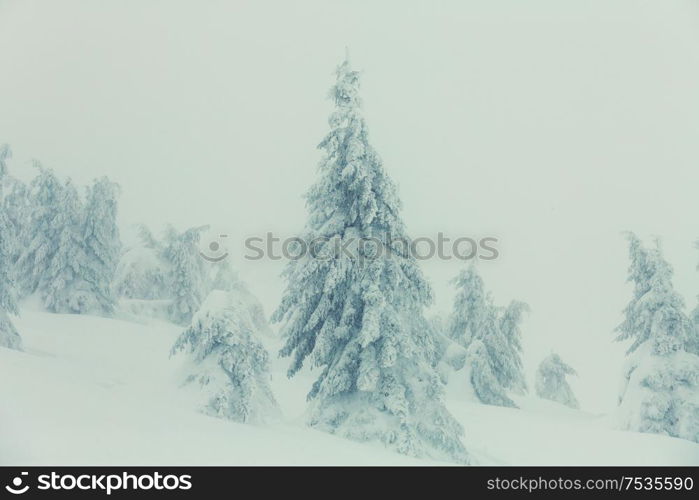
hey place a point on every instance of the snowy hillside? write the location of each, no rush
(90, 390)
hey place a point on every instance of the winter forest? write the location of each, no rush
(154, 341)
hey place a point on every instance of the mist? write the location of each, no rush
(552, 126)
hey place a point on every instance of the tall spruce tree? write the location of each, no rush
(9, 337)
(354, 315)
(660, 390)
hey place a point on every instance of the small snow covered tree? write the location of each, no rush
(101, 242)
(656, 311)
(472, 307)
(510, 319)
(484, 382)
(187, 272)
(228, 362)
(551, 381)
(8, 334)
(224, 277)
(356, 314)
(42, 233)
(493, 364)
(142, 272)
(448, 352)
(660, 390)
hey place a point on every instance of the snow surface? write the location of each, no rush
(95, 391)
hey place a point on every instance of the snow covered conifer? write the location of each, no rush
(448, 352)
(63, 287)
(510, 319)
(493, 363)
(656, 311)
(472, 307)
(45, 194)
(9, 337)
(355, 315)
(228, 362)
(142, 272)
(224, 277)
(551, 381)
(187, 272)
(101, 242)
(17, 209)
(660, 390)
(482, 377)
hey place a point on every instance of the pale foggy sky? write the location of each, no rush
(553, 125)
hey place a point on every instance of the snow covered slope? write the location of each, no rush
(98, 391)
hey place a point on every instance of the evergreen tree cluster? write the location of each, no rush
(56, 243)
(358, 321)
(491, 336)
(170, 269)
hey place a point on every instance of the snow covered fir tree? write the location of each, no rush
(229, 366)
(551, 381)
(187, 272)
(491, 337)
(510, 319)
(101, 242)
(142, 273)
(42, 235)
(62, 286)
(660, 390)
(9, 337)
(353, 316)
